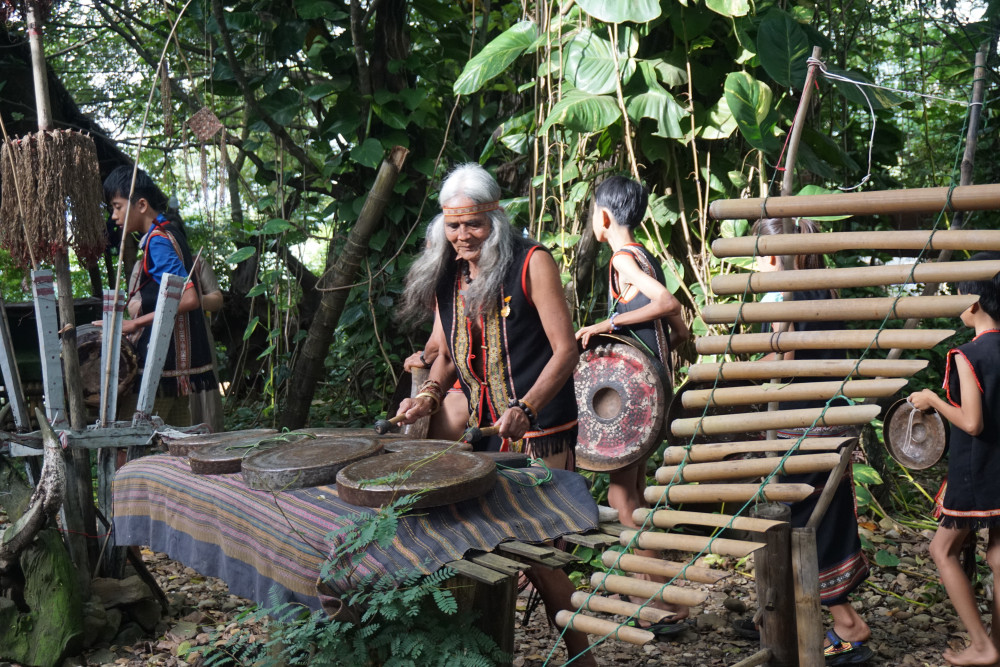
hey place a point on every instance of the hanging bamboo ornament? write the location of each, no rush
(591, 602)
(826, 310)
(663, 568)
(667, 519)
(854, 339)
(868, 276)
(795, 391)
(850, 415)
(719, 546)
(825, 243)
(829, 368)
(727, 493)
(716, 451)
(613, 583)
(732, 470)
(917, 200)
(600, 627)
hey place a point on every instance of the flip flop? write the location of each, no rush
(666, 630)
(842, 652)
(744, 627)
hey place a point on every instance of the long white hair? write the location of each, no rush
(496, 253)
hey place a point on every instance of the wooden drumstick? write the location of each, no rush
(475, 433)
(383, 426)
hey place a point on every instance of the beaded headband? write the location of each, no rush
(458, 211)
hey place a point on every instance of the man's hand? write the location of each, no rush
(513, 424)
(415, 360)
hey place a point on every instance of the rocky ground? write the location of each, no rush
(912, 622)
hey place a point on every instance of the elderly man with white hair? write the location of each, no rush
(510, 339)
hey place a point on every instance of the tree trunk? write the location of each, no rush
(309, 366)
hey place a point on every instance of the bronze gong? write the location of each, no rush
(226, 457)
(622, 395)
(184, 446)
(915, 439)
(307, 462)
(440, 478)
(425, 446)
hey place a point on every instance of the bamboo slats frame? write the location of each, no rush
(793, 391)
(854, 339)
(825, 310)
(797, 244)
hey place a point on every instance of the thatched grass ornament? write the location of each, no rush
(57, 176)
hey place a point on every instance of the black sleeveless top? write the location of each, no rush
(188, 367)
(815, 355)
(516, 350)
(654, 333)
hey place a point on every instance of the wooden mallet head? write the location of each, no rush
(475, 433)
(383, 426)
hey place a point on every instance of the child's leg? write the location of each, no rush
(993, 559)
(945, 547)
(625, 495)
(848, 624)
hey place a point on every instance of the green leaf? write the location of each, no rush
(750, 101)
(620, 11)
(582, 112)
(244, 253)
(250, 327)
(368, 154)
(729, 7)
(879, 99)
(885, 559)
(495, 57)
(320, 90)
(274, 226)
(256, 290)
(720, 122)
(658, 104)
(590, 64)
(865, 474)
(783, 49)
(317, 9)
(817, 190)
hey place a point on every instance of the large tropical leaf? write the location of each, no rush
(495, 57)
(729, 7)
(590, 64)
(720, 122)
(750, 102)
(583, 112)
(620, 11)
(783, 48)
(658, 104)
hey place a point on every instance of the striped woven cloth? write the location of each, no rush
(271, 547)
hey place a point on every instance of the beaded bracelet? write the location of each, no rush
(525, 407)
(611, 321)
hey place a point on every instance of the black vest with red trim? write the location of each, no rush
(654, 334)
(188, 367)
(516, 348)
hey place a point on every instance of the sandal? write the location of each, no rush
(663, 630)
(745, 627)
(842, 652)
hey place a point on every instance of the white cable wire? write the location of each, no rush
(839, 77)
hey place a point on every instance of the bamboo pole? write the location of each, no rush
(731, 470)
(851, 339)
(662, 568)
(693, 543)
(826, 310)
(808, 616)
(613, 583)
(796, 391)
(837, 368)
(849, 415)
(589, 602)
(944, 239)
(601, 627)
(670, 518)
(727, 493)
(855, 276)
(716, 451)
(917, 200)
(761, 657)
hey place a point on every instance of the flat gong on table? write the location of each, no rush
(914, 438)
(622, 396)
(184, 446)
(441, 479)
(424, 446)
(226, 457)
(305, 463)
(335, 432)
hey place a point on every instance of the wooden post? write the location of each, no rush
(494, 606)
(418, 429)
(775, 586)
(47, 325)
(111, 342)
(11, 376)
(167, 302)
(808, 615)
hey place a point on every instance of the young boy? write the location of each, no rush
(641, 305)
(188, 367)
(972, 493)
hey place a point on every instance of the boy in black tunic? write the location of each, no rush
(971, 493)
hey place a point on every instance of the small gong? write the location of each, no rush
(424, 446)
(622, 396)
(329, 431)
(226, 457)
(305, 463)
(441, 478)
(184, 446)
(916, 439)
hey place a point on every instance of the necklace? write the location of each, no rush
(466, 271)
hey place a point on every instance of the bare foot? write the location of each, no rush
(985, 655)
